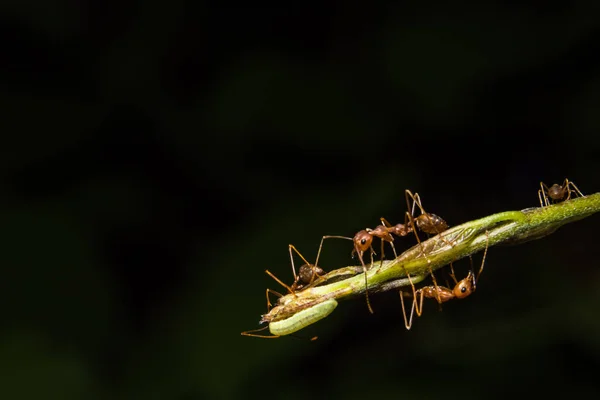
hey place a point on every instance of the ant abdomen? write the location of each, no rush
(442, 292)
(308, 273)
(431, 223)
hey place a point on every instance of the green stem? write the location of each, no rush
(510, 227)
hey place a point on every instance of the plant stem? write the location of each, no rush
(511, 227)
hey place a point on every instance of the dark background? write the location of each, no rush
(157, 158)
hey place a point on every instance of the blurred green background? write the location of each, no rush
(157, 158)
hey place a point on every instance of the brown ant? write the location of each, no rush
(557, 192)
(462, 289)
(306, 274)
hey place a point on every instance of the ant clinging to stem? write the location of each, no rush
(461, 290)
(557, 192)
(305, 276)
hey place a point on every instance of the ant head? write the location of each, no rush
(362, 241)
(465, 287)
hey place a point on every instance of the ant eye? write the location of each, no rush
(363, 241)
(463, 289)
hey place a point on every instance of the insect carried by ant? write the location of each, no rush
(557, 192)
(461, 290)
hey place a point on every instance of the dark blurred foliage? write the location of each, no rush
(158, 157)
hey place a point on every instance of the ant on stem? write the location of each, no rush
(363, 241)
(557, 192)
(461, 290)
(305, 276)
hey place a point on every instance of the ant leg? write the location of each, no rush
(249, 333)
(393, 249)
(418, 306)
(566, 187)
(540, 198)
(360, 257)
(409, 217)
(280, 282)
(543, 189)
(447, 282)
(415, 198)
(269, 305)
(411, 221)
(363, 240)
(487, 241)
(453, 275)
(407, 321)
(386, 224)
(412, 285)
(574, 188)
(290, 248)
(321, 245)
(382, 254)
(437, 288)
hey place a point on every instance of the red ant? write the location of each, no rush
(462, 289)
(557, 192)
(363, 241)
